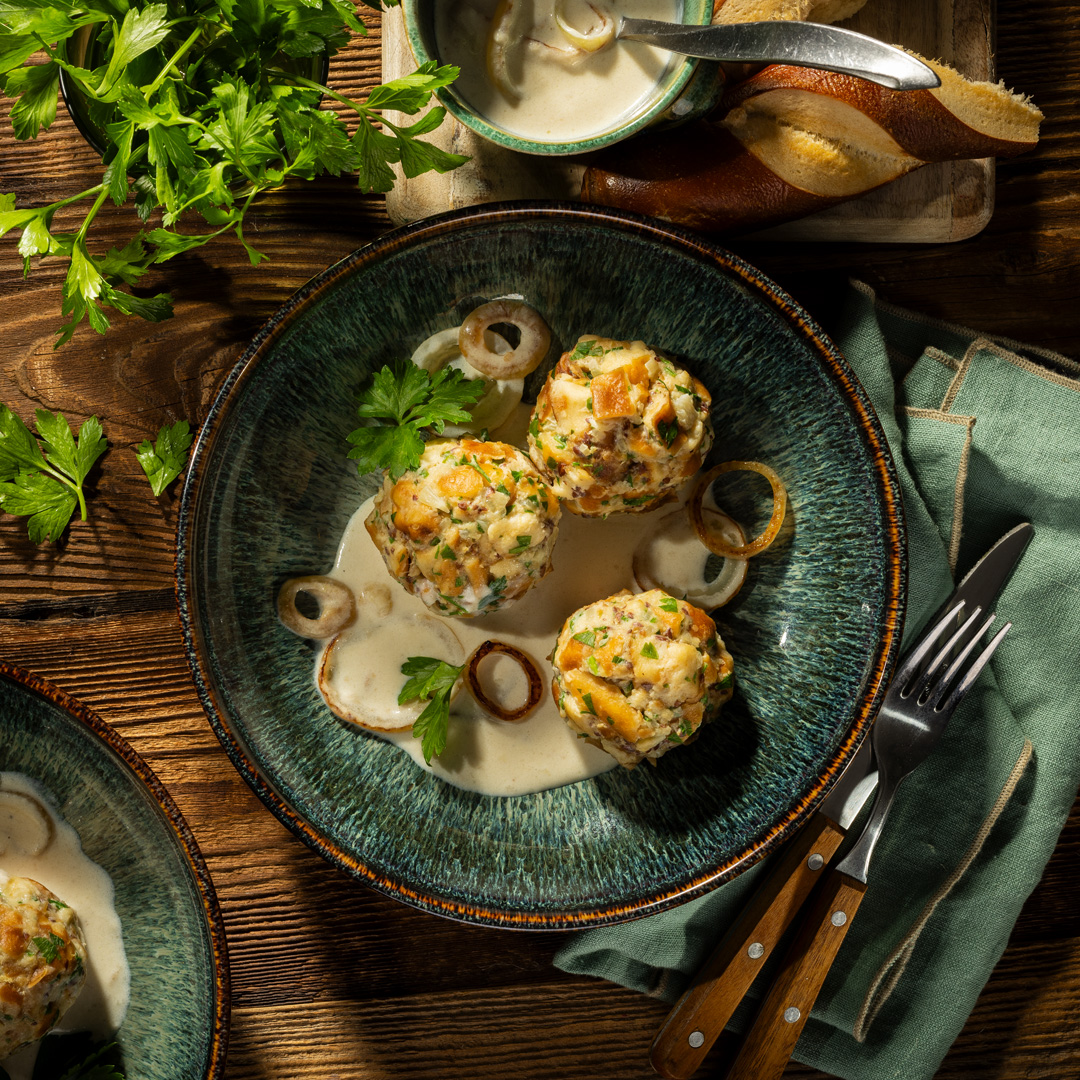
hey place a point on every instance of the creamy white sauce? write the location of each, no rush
(534, 89)
(62, 867)
(592, 560)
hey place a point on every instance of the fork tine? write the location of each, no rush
(973, 672)
(919, 652)
(928, 680)
(934, 694)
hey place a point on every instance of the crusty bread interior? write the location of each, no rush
(987, 107)
(818, 144)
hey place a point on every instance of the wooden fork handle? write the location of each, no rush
(768, 1045)
(699, 1016)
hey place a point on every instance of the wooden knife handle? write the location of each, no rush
(699, 1016)
(768, 1045)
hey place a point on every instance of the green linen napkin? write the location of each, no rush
(986, 434)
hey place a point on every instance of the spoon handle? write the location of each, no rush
(699, 1016)
(802, 44)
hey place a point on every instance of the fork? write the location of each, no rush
(913, 715)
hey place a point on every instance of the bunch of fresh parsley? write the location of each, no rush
(203, 108)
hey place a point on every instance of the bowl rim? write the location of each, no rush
(459, 109)
(686, 242)
(90, 720)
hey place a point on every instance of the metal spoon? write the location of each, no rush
(799, 43)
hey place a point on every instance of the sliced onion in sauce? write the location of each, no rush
(337, 606)
(532, 675)
(26, 827)
(363, 691)
(525, 357)
(673, 559)
(592, 38)
(715, 542)
(509, 28)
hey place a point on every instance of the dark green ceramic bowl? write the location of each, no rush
(814, 633)
(176, 1027)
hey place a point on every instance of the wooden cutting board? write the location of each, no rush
(935, 204)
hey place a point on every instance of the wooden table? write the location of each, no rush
(379, 990)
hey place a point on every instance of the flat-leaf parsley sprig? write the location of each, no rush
(433, 681)
(401, 402)
(44, 481)
(163, 460)
(201, 110)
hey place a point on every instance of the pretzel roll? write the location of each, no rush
(957, 120)
(820, 11)
(794, 140)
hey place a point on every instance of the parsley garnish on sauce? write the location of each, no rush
(403, 401)
(44, 481)
(430, 680)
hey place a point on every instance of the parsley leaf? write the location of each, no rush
(586, 348)
(48, 948)
(164, 460)
(402, 401)
(433, 681)
(46, 487)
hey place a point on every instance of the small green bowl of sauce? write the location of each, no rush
(524, 84)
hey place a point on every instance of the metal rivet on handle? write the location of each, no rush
(696, 1039)
(838, 918)
(756, 951)
(815, 862)
(791, 1014)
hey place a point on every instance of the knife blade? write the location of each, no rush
(802, 44)
(698, 1017)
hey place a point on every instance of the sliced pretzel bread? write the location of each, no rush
(793, 140)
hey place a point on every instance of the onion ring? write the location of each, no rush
(531, 349)
(661, 550)
(337, 606)
(587, 40)
(715, 543)
(472, 681)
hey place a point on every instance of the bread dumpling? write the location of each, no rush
(470, 529)
(42, 962)
(638, 674)
(618, 427)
